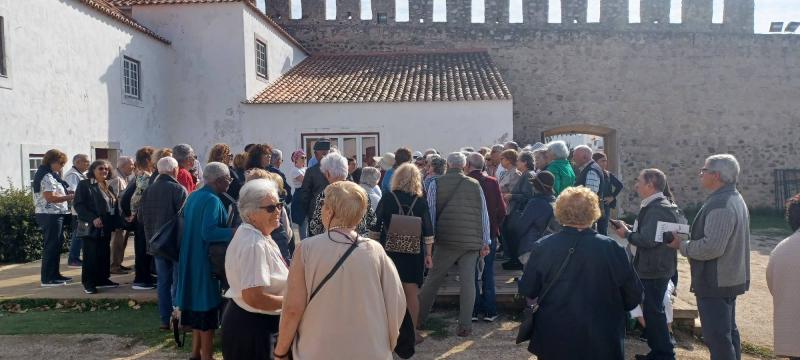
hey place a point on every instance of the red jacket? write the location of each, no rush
(185, 179)
(494, 201)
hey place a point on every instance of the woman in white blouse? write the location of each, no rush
(257, 275)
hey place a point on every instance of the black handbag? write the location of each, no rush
(166, 241)
(85, 229)
(529, 313)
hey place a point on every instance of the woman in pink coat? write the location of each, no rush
(783, 277)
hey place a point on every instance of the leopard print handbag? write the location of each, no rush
(405, 231)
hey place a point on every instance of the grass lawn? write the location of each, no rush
(138, 321)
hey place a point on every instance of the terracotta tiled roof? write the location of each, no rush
(107, 8)
(250, 3)
(389, 77)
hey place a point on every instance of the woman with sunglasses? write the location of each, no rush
(282, 235)
(257, 274)
(97, 206)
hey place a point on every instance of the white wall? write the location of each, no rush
(64, 88)
(446, 126)
(214, 69)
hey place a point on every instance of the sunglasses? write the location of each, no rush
(271, 208)
(104, 169)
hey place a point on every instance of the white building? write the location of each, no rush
(105, 77)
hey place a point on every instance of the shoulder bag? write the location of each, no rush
(529, 314)
(405, 230)
(444, 204)
(166, 241)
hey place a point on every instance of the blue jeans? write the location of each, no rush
(53, 236)
(720, 333)
(167, 271)
(661, 347)
(75, 243)
(485, 301)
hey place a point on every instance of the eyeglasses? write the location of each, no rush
(705, 171)
(227, 179)
(104, 169)
(271, 208)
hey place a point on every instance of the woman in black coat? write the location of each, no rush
(96, 205)
(537, 215)
(583, 315)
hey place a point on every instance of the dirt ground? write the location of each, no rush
(754, 308)
(489, 341)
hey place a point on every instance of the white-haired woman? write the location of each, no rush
(198, 294)
(357, 313)
(559, 166)
(370, 177)
(257, 274)
(334, 167)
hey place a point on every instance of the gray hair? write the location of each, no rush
(476, 161)
(124, 159)
(335, 165)
(277, 154)
(79, 157)
(726, 166)
(558, 148)
(498, 148)
(438, 164)
(214, 171)
(456, 160)
(182, 152)
(251, 195)
(583, 148)
(527, 157)
(370, 176)
(167, 165)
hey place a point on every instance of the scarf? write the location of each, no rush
(41, 172)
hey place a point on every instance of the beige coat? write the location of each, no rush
(357, 314)
(783, 279)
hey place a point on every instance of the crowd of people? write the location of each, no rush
(377, 242)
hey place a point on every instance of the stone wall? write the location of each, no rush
(670, 96)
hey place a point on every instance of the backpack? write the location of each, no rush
(405, 230)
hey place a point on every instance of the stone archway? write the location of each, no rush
(609, 136)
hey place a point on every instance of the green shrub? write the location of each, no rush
(20, 236)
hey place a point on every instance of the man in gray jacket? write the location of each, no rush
(719, 256)
(655, 262)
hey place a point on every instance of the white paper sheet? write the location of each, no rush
(663, 227)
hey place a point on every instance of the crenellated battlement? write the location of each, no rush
(696, 15)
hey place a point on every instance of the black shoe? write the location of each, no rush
(512, 265)
(640, 357)
(107, 284)
(90, 290)
(63, 278)
(53, 283)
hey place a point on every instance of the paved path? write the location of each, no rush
(22, 281)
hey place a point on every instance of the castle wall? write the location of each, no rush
(673, 93)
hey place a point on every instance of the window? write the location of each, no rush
(131, 75)
(3, 71)
(362, 146)
(261, 59)
(34, 161)
(383, 18)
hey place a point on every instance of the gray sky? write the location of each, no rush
(766, 10)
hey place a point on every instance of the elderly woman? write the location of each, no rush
(357, 313)
(334, 168)
(298, 170)
(510, 176)
(96, 205)
(198, 294)
(144, 165)
(559, 166)
(406, 198)
(222, 153)
(436, 167)
(540, 159)
(50, 197)
(782, 279)
(370, 177)
(257, 273)
(587, 301)
(186, 160)
(258, 157)
(282, 235)
(536, 219)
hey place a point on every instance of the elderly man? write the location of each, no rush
(80, 163)
(119, 239)
(654, 261)
(185, 156)
(313, 184)
(719, 255)
(461, 221)
(559, 166)
(590, 175)
(485, 301)
(275, 167)
(160, 204)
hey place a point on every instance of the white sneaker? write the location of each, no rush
(490, 318)
(142, 287)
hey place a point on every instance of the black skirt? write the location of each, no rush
(410, 267)
(248, 335)
(201, 320)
